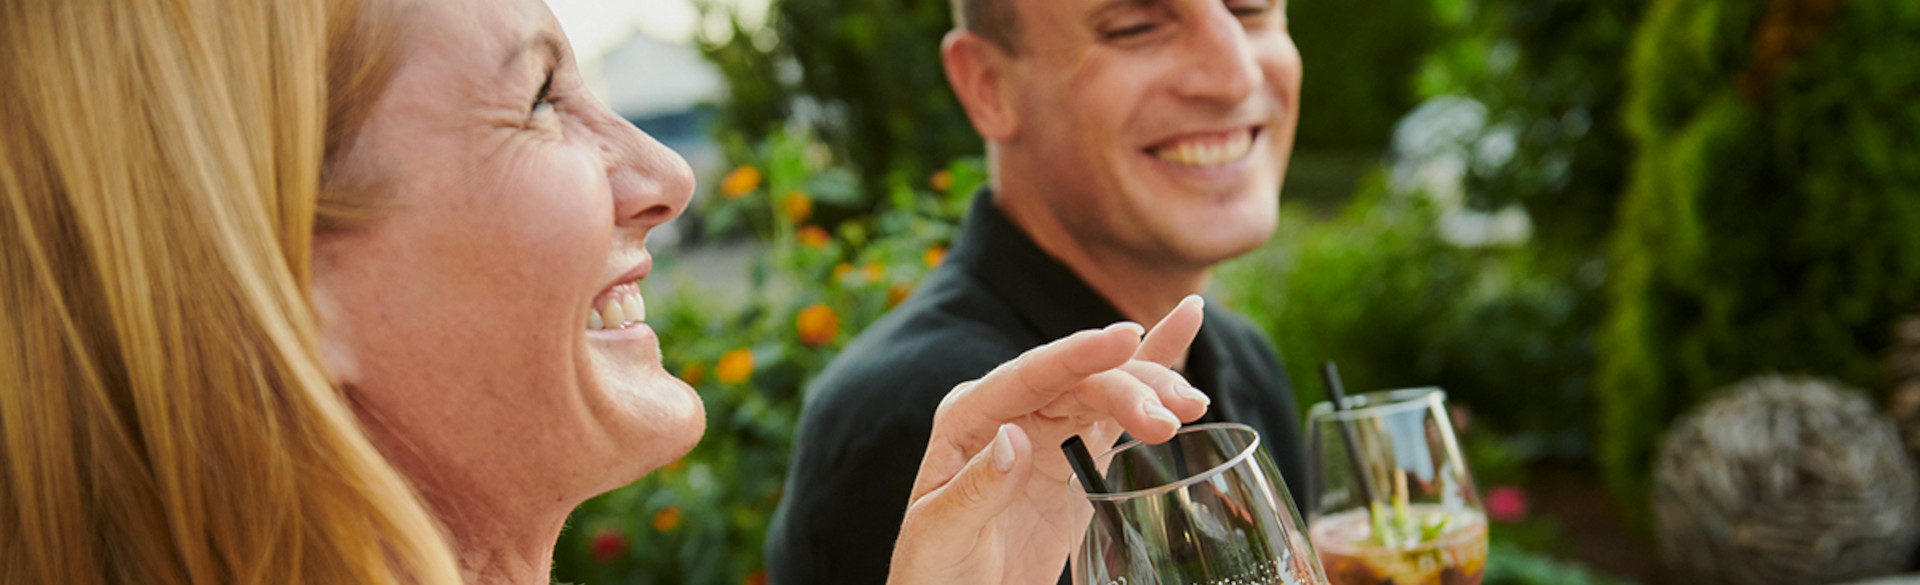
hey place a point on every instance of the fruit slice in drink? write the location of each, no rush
(1452, 550)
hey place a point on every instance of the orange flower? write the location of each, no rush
(941, 181)
(666, 519)
(874, 272)
(898, 292)
(677, 465)
(818, 325)
(756, 578)
(693, 373)
(739, 182)
(799, 207)
(840, 272)
(813, 236)
(735, 367)
(935, 256)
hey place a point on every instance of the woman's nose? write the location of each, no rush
(651, 183)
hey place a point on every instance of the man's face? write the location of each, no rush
(1158, 129)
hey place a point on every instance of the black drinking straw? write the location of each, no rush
(1083, 466)
(1330, 374)
(1093, 483)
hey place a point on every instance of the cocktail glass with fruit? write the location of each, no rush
(1393, 501)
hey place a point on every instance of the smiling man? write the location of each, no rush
(1133, 144)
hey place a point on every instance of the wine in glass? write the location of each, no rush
(1204, 508)
(1393, 502)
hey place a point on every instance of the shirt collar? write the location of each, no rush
(1046, 295)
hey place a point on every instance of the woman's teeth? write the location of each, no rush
(624, 308)
(1208, 152)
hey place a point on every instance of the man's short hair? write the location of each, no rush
(994, 20)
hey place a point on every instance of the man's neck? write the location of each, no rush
(1142, 291)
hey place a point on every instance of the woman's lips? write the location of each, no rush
(619, 307)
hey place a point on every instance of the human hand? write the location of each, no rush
(987, 507)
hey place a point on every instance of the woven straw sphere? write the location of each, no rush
(1785, 480)
(1903, 370)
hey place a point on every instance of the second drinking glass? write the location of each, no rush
(1399, 506)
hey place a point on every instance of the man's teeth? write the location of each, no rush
(1207, 153)
(625, 308)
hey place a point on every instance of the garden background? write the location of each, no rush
(1580, 217)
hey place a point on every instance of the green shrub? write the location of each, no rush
(1377, 290)
(1772, 215)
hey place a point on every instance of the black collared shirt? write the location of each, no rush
(868, 415)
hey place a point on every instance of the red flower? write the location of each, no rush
(609, 544)
(1506, 503)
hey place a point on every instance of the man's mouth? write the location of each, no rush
(1207, 150)
(619, 307)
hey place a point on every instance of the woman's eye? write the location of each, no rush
(542, 102)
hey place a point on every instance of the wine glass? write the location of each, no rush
(1392, 500)
(1204, 508)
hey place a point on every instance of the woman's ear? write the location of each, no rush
(977, 70)
(336, 350)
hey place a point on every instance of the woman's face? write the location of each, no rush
(468, 319)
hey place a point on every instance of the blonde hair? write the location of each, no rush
(164, 413)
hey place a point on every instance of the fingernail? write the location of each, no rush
(1128, 325)
(1197, 299)
(1194, 394)
(1157, 412)
(1002, 451)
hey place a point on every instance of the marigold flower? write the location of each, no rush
(840, 272)
(694, 373)
(897, 293)
(798, 206)
(941, 180)
(818, 325)
(935, 256)
(742, 180)
(608, 544)
(735, 367)
(755, 578)
(813, 236)
(666, 519)
(874, 272)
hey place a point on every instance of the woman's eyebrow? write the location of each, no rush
(544, 39)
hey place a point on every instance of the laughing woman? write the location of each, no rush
(303, 291)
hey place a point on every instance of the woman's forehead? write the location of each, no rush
(495, 30)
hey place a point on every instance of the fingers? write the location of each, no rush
(1175, 393)
(1167, 343)
(1037, 378)
(950, 519)
(1147, 399)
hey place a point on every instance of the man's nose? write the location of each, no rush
(651, 183)
(1220, 64)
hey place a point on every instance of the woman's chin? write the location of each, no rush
(663, 420)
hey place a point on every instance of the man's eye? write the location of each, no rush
(1128, 31)
(1246, 9)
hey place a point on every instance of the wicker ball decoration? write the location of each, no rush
(1785, 480)
(1903, 371)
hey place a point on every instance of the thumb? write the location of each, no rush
(953, 517)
